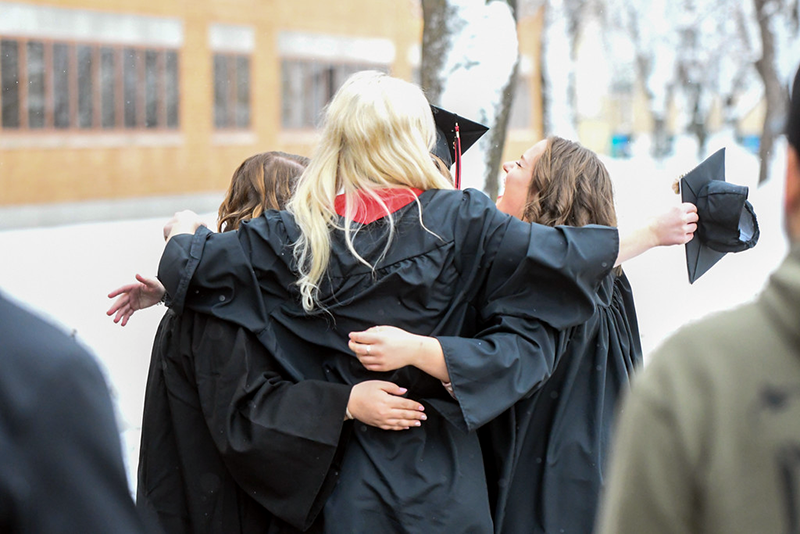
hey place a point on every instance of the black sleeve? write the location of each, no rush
(503, 363)
(73, 445)
(279, 440)
(540, 279)
(217, 267)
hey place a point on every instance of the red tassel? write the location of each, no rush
(458, 158)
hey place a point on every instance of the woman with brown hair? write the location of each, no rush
(260, 183)
(212, 464)
(545, 456)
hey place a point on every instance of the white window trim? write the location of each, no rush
(231, 38)
(336, 48)
(32, 21)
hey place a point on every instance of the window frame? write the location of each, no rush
(330, 76)
(232, 97)
(98, 96)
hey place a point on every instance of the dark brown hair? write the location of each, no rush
(569, 186)
(262, 182)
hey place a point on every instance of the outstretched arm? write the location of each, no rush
(133, 297)
(676, 226)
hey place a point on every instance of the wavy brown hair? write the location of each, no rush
(262, 182)
(569, 186)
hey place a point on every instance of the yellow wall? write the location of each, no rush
(195, 157)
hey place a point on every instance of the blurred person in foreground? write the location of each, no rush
(276, 456)
(545, 457)
(709, 439)
(61, 468)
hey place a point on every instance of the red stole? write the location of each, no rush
(370, 210)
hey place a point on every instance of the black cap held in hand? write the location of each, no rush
(727, 222)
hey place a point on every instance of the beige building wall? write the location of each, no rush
(72, 165)
(69, 165)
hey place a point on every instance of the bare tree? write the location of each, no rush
(469, 65)
(561, 29)
(435, 45)
(767, 12)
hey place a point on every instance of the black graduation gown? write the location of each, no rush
(470, 265)
(202, 466)
(545, 457)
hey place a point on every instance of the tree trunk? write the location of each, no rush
(558, 66)
(773, 92)
(469, 61)
(435, 45)
(497, 135)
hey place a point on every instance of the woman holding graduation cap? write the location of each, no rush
(374, 233)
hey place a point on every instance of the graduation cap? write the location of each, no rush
(454, 136)
(727, 222)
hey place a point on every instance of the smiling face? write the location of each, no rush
(518, 180)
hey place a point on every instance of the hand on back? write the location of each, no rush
(385, 348)
(378, 403)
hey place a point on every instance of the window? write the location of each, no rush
(308, 85)
(77, 86)
(231, 91)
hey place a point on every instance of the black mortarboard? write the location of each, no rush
(454, 136)
(726, 220)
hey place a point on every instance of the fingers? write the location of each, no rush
(149, 282)
(123, 289)
(391, 388)
(402, 420)
(126, 317)
(119, 303)
(367, 337)
(362, 350)
(122, 309)
(123, 312)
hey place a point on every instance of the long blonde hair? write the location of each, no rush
(377, 133)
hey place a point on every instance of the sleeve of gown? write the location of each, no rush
(540, 279)
(221, 277)
(549, 274)
(505, 362)
(279, 440)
